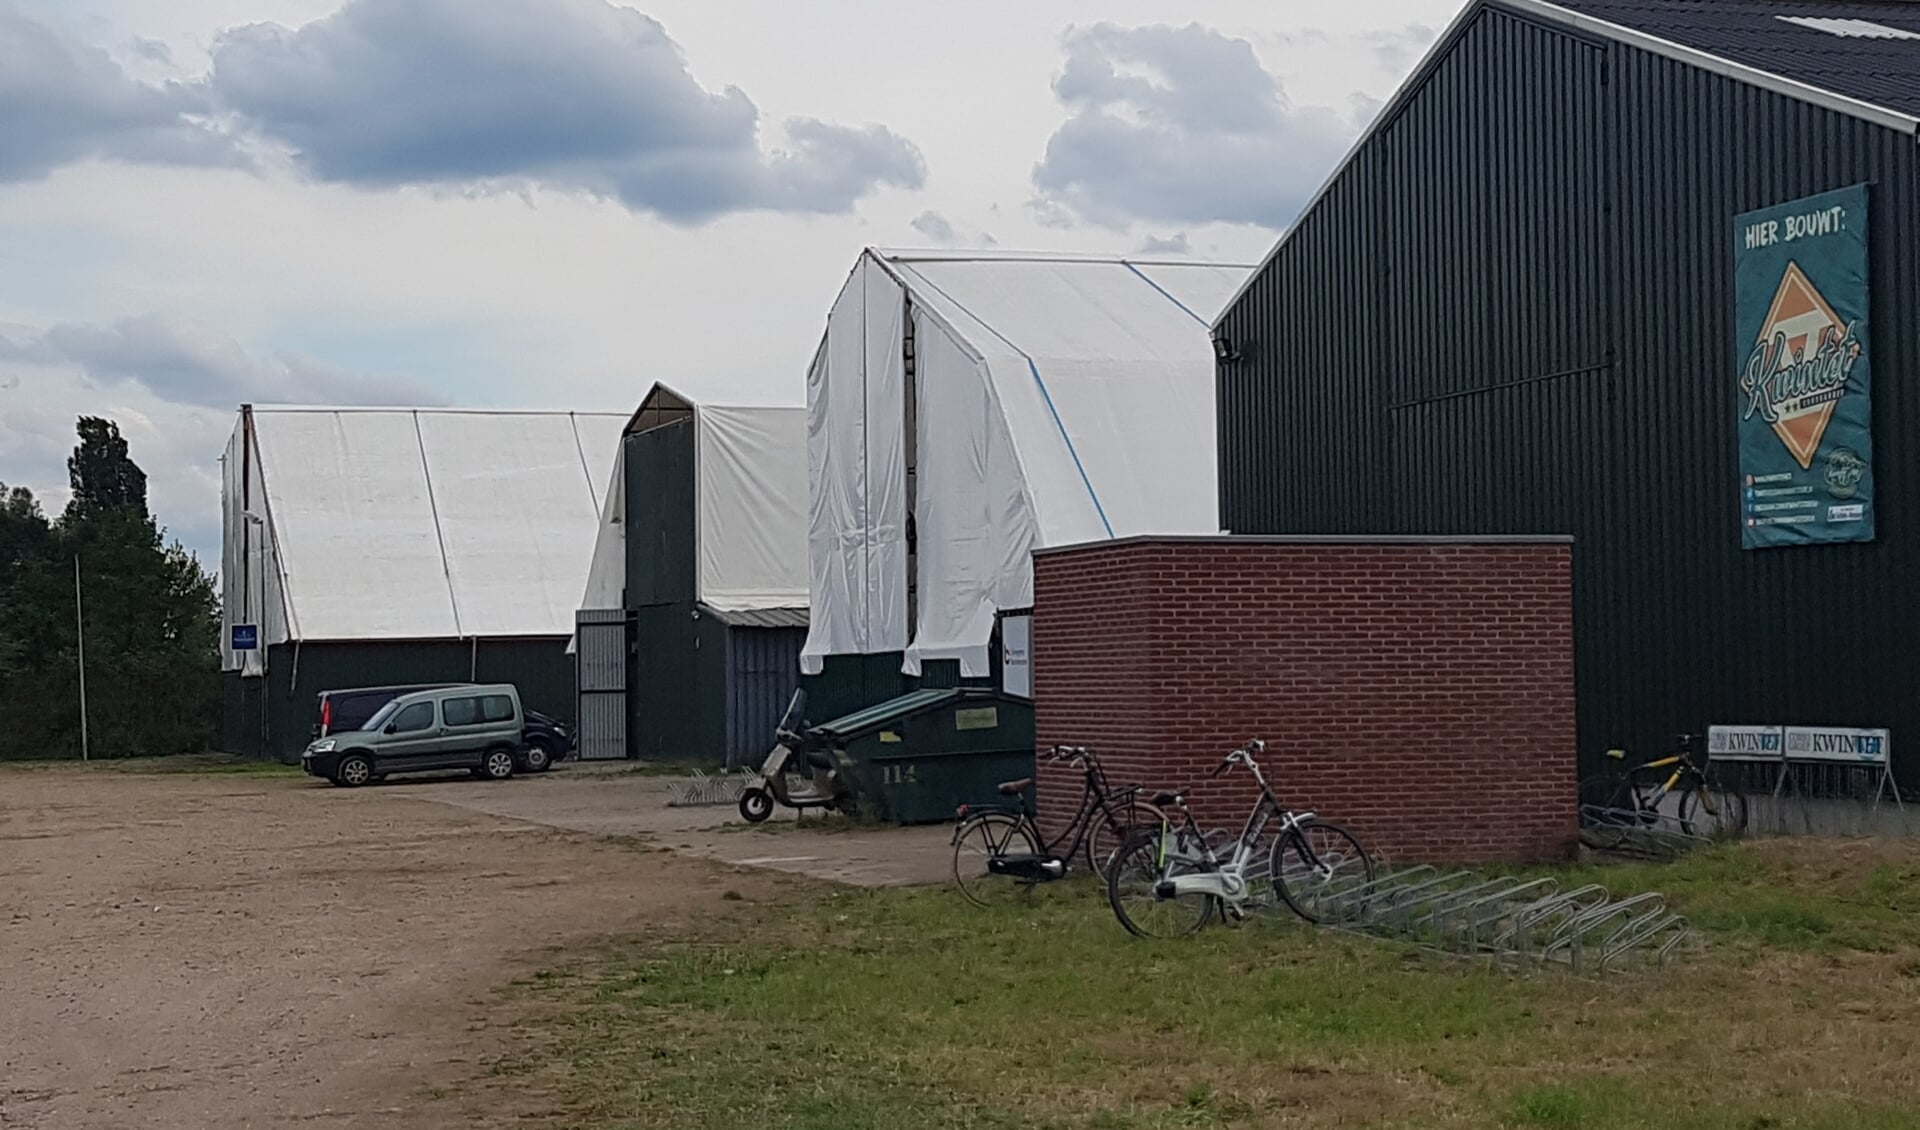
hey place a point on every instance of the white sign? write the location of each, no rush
(1835, 743)
(1745, 743)
(1016, 655)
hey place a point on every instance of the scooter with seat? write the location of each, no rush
(795, 755)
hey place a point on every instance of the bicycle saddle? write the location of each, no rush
(1164, 799)
(1015, 788)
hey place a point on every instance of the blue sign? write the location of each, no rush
(1802, 371)
(246, 637)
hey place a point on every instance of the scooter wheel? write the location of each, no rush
(755, 805)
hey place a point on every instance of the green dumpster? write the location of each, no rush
(917, 758)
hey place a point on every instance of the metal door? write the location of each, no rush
(600, 667)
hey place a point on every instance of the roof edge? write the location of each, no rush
(1548, 12)
(1310, 540)
(937, 255)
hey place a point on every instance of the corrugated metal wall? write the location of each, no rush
(763, 668)
(540, 668)
(1512, 313)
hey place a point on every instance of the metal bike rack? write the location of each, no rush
(700, 789)
(1646, 835)
(1512, 921)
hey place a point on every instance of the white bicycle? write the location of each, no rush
(1169, 881)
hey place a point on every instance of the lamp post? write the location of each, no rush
(80, 630)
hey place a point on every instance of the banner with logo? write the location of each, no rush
(1803, 374)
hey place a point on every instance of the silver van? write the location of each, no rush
(476, 728)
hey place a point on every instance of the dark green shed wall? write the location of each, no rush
(273, 717)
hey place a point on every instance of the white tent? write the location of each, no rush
(750, 478)
(1056, 399)
(346, 524)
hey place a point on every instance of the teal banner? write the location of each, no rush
(1804, 378)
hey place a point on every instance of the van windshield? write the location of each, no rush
(381, 715)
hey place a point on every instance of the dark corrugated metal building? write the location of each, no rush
(703, 551)
(1523, 305)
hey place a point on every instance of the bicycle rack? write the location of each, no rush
(701, 789)
(1512, 921)
(1647, 835)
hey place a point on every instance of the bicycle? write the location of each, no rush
(1000, 844)
(1613, 803)
(1171, 881)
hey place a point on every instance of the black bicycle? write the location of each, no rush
(1614, 803)
(999, 852)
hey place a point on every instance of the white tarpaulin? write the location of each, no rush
(856, 467)
(751, 476)
(1058, 400)
(412, 524)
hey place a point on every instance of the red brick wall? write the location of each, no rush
(1421, 693)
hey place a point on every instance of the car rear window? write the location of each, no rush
(477, 710)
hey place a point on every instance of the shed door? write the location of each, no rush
(600, 657)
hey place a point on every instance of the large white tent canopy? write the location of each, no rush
(1057, 400)
(408, 524)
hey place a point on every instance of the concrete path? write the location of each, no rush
(613, 800)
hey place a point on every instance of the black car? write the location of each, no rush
(543, 739)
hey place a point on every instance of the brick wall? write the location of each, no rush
(1419, 692)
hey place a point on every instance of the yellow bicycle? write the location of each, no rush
(1615, 802)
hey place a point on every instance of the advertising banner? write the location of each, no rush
(1803, 371)
(1745, 743)
(1837, 743)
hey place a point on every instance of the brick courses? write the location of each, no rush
(1419, 691)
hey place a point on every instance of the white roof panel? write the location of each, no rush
(431, 524)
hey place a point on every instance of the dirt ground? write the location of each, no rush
(244, 951)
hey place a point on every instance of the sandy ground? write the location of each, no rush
(241, 951)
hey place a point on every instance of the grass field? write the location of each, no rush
(843, 1010)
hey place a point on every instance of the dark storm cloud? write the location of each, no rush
(1181, 125)
(191, 364)
(63, 101)
(570, 93)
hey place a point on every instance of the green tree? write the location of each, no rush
(103, 474)
(151, 618)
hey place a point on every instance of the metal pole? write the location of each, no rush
(80, 627)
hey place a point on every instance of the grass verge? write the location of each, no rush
(847, 1009)
(197, 763)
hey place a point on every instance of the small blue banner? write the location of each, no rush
(246, 637)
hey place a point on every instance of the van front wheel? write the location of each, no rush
(353, 772)
(499, 765)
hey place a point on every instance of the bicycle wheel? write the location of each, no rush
(1312, 861)
(1133, 881)
(1108, 834)
(1713, 811)
(987, 836)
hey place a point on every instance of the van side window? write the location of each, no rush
(461, 711)
(419, 716)
(497, 708)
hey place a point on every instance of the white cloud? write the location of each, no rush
(1181, 124)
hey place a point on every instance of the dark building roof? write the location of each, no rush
(1863, 49)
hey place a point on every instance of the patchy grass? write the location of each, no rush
(846, 1009)
(197, 763)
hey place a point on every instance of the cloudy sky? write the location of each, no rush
(554, 203)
